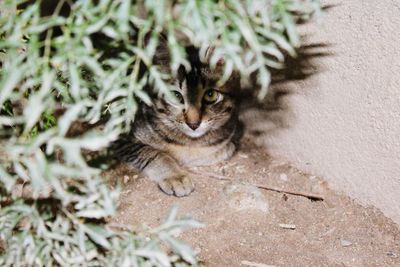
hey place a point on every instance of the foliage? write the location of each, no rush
(85, 68)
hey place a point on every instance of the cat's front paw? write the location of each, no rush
(180, 185)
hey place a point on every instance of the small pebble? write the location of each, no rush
(126, 179)
(345, 243)
(244, 156)
(255, 264)
(287, 226)
(391, 254)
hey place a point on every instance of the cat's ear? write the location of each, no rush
(209, 55)
(162, 56)
(216, 60)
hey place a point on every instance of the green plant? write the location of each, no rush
(83, 68)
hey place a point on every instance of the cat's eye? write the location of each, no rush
(178, 97)
(211, 96)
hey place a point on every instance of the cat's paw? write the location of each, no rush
(180, 185)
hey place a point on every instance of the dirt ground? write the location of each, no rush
(248, 226)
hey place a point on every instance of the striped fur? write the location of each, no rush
(171, 134)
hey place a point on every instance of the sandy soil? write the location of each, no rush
(244, 224)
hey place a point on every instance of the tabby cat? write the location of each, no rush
(199, 126)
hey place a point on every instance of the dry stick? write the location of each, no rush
(308, 195)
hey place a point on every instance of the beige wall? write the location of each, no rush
(344, 122)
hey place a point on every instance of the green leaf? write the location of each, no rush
(97, 234)
(180, 248)
(64, 123)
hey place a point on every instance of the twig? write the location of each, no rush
(308, 195)
(120, 227)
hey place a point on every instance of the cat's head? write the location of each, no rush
(200, 104)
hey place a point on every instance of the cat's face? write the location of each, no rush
(199, 105)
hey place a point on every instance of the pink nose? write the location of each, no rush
(193, 125)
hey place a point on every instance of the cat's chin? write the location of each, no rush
(199, 132)
(194, 135)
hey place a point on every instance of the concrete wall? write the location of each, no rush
(344, 122)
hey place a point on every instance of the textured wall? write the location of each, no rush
(344, 122)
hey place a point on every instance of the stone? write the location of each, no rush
(345, 243)
(242, 196)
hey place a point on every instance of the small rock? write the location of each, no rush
(391, 254)
(283, 177)
(244, 156)
(126, 192)
(345, 243)
(126, 179)
(287, 226)
(255, 264)
(244, 197)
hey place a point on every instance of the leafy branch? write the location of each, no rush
(82, 66)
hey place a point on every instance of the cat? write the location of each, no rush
(198, 127)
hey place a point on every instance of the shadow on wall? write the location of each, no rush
(266, 117)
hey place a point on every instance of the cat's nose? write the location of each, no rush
(193, 125)
(193, 117)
